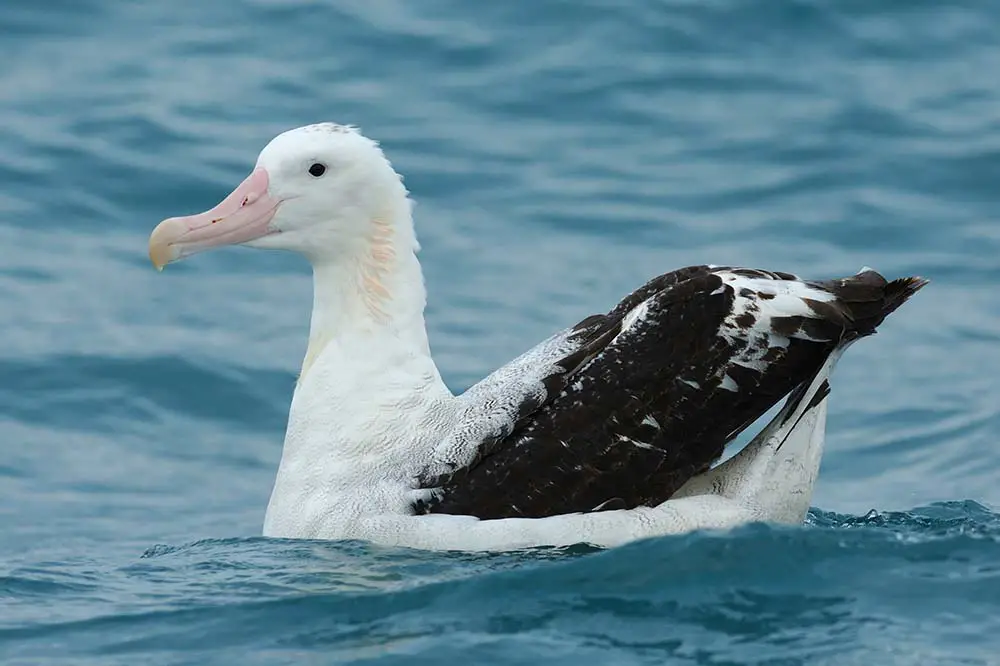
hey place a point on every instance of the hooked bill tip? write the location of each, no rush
(161, 249)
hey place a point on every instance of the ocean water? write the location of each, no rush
(560, 153)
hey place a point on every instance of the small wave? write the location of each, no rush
(21, 586)
(791, 592)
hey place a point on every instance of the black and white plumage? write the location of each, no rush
(605, 432)
(638, 401)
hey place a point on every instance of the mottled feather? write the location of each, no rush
(624, 408)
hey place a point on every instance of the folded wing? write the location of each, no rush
(621, 410)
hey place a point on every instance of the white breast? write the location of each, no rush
(360, 428)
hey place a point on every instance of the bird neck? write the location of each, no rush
(375, 293)
(370, 402)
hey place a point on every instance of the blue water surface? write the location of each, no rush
(561, 152)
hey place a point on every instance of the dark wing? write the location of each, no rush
(628, 406)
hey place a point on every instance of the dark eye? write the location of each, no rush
(317, 169)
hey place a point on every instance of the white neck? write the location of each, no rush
(358, 298)
(369, 401)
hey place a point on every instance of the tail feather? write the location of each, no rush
(866, 299)
(899, 291)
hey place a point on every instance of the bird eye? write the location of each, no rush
(317, 169)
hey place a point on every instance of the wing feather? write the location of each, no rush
(624, 408)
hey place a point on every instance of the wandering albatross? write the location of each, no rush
(608, 431)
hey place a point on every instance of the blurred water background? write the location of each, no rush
(560, 153)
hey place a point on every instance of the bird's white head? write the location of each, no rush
(323, 190)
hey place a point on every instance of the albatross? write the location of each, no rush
(611, 430)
